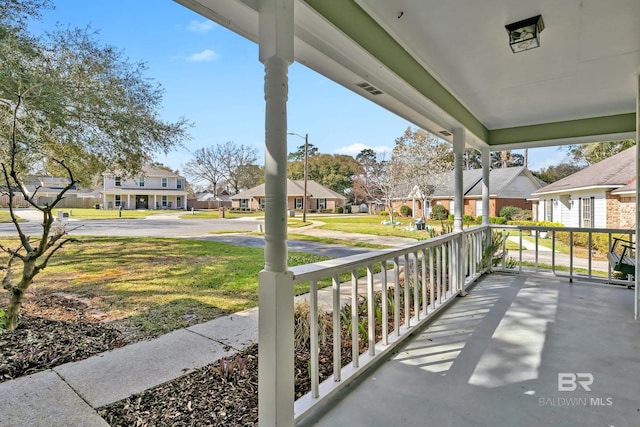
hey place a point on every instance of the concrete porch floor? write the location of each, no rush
(494, 358)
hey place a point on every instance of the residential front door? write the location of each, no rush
(142, 202)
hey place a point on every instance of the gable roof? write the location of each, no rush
(500, 181)
(294, 189)
(614, 172)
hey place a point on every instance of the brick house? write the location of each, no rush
(319, 198)
(507, 186)
(599, 196)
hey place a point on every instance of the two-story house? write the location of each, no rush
(155, 188)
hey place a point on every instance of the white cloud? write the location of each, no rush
(356, 148)
(206, 55)
(201, 27)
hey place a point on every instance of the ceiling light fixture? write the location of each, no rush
(525, 34)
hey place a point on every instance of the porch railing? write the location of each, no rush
(397, 291)
(574, 253)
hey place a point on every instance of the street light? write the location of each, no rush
(306, 158)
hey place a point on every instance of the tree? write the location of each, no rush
(334, 171)
(298, 155)
(506, 159)
(588, 154)
(233, 162)
(472, 159)
(250, 176)
(427, 161)
(364, 186)
(227, 163)
(204, 168)
(557, 172)
(69, 106)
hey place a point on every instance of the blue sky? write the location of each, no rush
(213, 77)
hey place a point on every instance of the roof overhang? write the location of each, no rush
(445, 66)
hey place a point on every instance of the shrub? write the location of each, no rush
(302, 325)
(439, 212)
(383, 213)
(497, 220)
(523, 215)
(339, 209)
(405, 210)
(509, 211)
(467, 219)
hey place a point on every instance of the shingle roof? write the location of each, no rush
(615, 171)
(499, 181)
(294, 189)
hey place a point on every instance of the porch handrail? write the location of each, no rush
(420, 279)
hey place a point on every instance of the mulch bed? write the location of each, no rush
(57, 329)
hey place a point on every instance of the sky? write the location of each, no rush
(213, 77)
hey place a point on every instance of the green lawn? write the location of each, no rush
(372, 224)
(80, 213)
(4, 216)
(154, 283)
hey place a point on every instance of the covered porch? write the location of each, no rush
(448, 67)
(494, 359)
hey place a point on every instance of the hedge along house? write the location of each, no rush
(319, 197)
(599, 196)
(154, 188)
(509, 187)
(453, 69)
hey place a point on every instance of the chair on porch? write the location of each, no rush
(622, 256)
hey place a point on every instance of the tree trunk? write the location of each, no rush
(15, 303)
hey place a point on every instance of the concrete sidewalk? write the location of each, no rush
(69, 394)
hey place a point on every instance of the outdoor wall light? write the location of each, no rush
(525, 34)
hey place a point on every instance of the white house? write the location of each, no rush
(599, 196)
(155, 188)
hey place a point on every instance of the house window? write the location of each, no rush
(118, 201)
(164, 201)
(587, 212)
(322, 203)
(141, 181)
(179, 184)
(262, 203)
(178, 202)
(164, 182)
(298, 203)
(548, 210)
(118, 181)
(244, 203)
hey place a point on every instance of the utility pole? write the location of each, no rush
(306, 161)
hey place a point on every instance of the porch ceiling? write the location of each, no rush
(445, 65)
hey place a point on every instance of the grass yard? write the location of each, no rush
(80, 213)
(371, 224)
(4, 216)
(158, 284)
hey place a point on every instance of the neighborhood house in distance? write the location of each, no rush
(319, 198)
(507, 187)
(156, 188)
(600, 196)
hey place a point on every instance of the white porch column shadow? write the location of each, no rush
(275, 322)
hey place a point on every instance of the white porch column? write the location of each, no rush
(458, 204)
(275, 324)
(155, 202)
(458, 196)
(128, 201)
(485, 154)
(637, 299)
